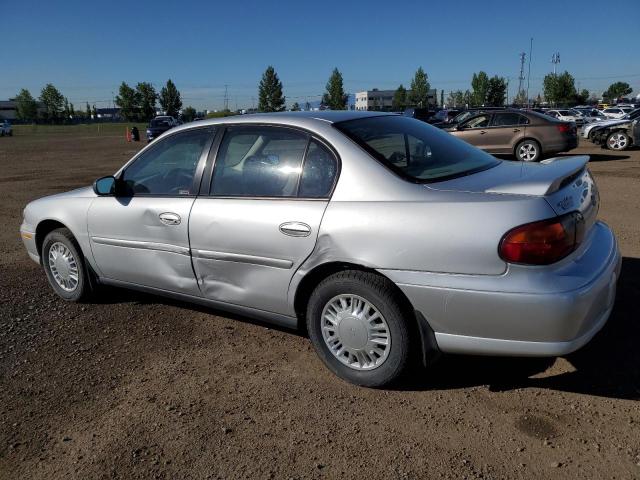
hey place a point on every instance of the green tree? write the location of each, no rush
(148, 98)
(88, 111)
(419, 95)
(456, 99)
(442, 98)
(295, 107)
(188, 114)
(480, 86)
(582, 97)
(520, 98)
(270, 92)
(617, 90)
(72, 110)
(400, 98)
(559, 89)
(53, 102)
(129, 102)
(26, 108)
(94, 112)
(307, 106)
(170, 99)
(497, 91)
(335, 98)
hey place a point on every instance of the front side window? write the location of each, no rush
(481, 121)
(259, 162)
(415, 150)
(169, 166)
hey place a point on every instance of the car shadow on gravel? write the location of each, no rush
(608, 366)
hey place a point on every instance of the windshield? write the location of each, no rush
(415, 150)
(160, 122)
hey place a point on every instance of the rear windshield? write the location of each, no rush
(414, 149)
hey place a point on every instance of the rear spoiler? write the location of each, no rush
(544, 178)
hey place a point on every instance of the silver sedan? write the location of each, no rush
(387, 239)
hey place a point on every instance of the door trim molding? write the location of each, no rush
(162, 247)
(242, 258)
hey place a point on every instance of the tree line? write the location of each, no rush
(560, 89)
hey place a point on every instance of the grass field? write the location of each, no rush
(84, 129)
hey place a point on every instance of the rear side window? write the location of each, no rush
(259, 162)
(415, 150)
(508, 119)
(318, 173)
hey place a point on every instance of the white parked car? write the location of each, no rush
(616, 112)
(566, 115)
(5, 128)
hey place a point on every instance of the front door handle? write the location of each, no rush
(295, 229)
(169, 218)
(516, 130)
(482, 132)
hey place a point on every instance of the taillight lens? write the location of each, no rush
(565, 127)
(544, 242)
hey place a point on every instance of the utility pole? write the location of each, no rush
(226, 97)
(523, 56)
(529, 73)
(555, 59)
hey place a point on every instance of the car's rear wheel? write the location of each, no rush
(64, 266)
(528, 151)
(359, 328)
(618, 141)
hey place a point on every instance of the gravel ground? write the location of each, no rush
(136, 386)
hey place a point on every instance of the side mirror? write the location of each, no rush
(105, 186)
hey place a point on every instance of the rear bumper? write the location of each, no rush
(527, 311)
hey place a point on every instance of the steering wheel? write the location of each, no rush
(179, 178)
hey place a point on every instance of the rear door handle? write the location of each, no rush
(295, 229)
(516, 130)
(482, 132)
(170, 218)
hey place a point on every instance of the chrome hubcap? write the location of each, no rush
(617, 141)
(63, 267)
(527, 152)
(355, 332)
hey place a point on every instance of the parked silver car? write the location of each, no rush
(387, 238)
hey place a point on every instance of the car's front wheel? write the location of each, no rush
(528, 151)
(64, 265)
(618, 141)
(359, 328)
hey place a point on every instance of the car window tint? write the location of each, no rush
(505, 119)
(168, 167)
(522, 120)
(259, 162)
(318, 172)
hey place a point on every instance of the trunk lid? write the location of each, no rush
(564, 182)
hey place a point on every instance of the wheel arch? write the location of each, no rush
(43, 228)
(429, 347)
(525, 138)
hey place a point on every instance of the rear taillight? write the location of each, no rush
(565, 127)
(544, 242)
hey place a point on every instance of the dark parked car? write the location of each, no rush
(423, 114)
(618, 136)
(528, 135)
(446, 115)
(159, 125)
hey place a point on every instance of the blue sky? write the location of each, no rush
(87, 48)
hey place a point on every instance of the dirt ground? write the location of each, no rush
(136, 386)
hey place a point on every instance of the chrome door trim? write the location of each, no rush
(242, 258)
(163, 247)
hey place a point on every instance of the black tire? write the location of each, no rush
(85, 282)
(617, 141)
(525, 148)
(381, 294)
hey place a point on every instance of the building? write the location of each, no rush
(383, 99)
(9, 109)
